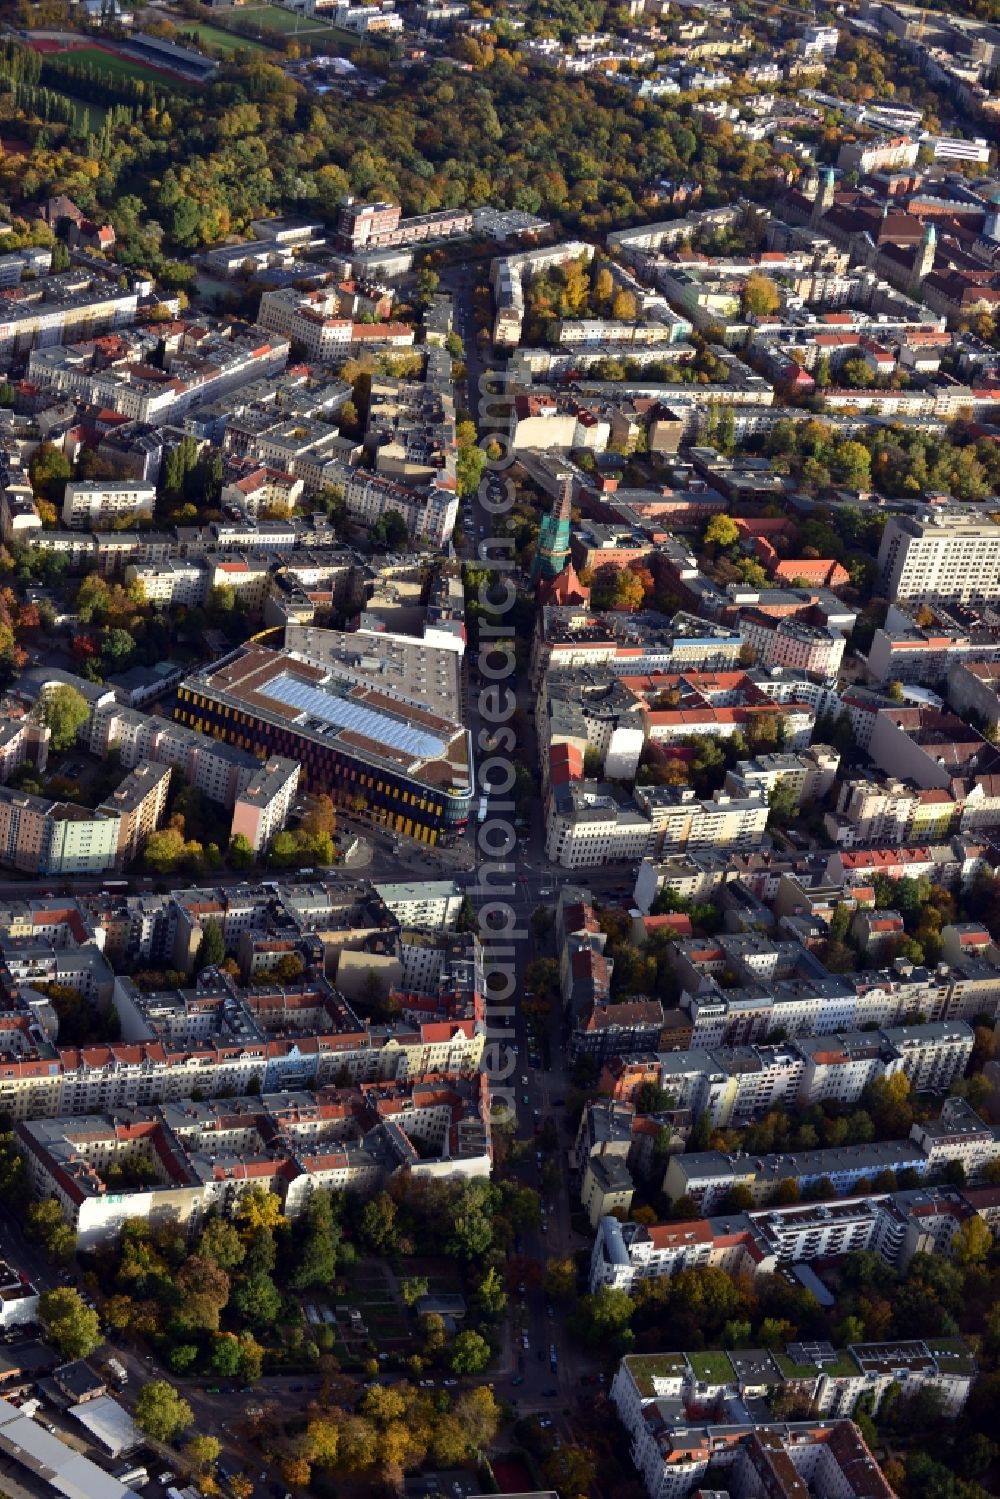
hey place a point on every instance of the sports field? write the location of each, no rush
(214, 36)
(113, 64)
(277, 18)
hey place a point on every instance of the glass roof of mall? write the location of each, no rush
(337, 712)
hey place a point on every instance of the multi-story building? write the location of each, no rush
(810, 774)
(792, 642)
(89, 504)
(260, 796)
(681, 820)
(431, 904)
(39, 836)
(262, 807)
(948, 555)
(960, 1135)
(373, 748)
(174, 582)
(309, 319)
(256, 489)
(590, 824)
(204, 1156)
(656, 1394)
(905, 651)
(894, 1226)
(138, 803)
(889, 812)
(70, 305)
(430, 512)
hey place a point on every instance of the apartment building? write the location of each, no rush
(589, 824)
(173, 582)
(430, 513)
(90, 504)
(260, 796)
(257, 490)
(889, 812)
(946, 556)
(264, 805)
(433, 905)
(309, 319)
(681, 820)
(792, 642)
(810, 774)
(58, 309)
(203, 1156)
(894, 1226)
(39, 836)
(19, 517)
(138, 803)
(960, 1135)
(656, 1394)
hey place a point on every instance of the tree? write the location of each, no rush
(413, 1288)
(570, 1471)
(202, 1452)
(64, 711)
(316, 1262)
(48, 470)
(241, 854)
(257, 1299)
(69, 1322)
(721, 532)
(478, 1415)
(203, 1291)
(560, 1279)
(220, 1242)
(490, 1298)
(212, 947)
(602, 1320)
(623, 306)
(160, 1412)
(259, 1211)
(761, 296)
(782, 803)
(470, 1353)
(378, 1223)
(972, 1243)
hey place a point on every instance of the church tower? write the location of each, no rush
(552, 547)
(824, 199)
(923, 262)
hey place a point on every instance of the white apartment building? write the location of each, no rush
(810, 773)
(308, 319)
(430, 904)
(90, 504)
(940, 556)
(61, 309)
(178, 580)
(681, 820)
(430, 514)
(587, 825)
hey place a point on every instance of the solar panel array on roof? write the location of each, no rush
(342, 713)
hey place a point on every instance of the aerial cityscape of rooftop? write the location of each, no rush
(499, 749)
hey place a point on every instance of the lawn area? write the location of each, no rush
(118, 67)
(95, 112)
(712, 1368)
(213, 36)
